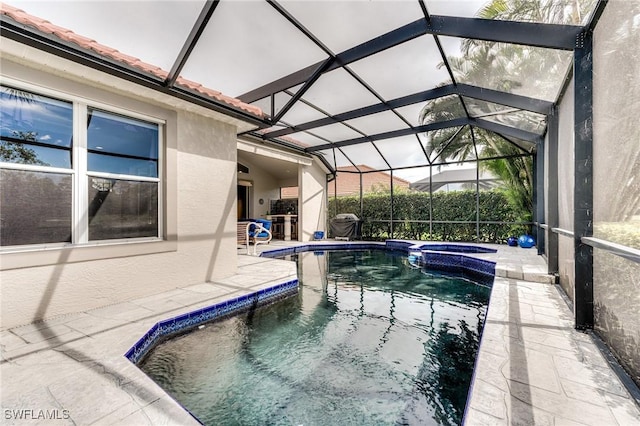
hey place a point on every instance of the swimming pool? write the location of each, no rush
(367, 340)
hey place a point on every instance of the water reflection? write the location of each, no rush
(368, 340)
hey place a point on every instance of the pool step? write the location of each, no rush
(536, 274)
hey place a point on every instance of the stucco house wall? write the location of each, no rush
(308, 174)
(312, 200)
(264, 187)
(199, 204)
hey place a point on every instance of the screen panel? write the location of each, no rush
(242, 34)
(405, 69)
(153, 31)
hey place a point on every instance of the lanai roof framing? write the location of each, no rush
(550, 36)
(298, 114)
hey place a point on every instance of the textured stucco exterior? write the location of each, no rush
(308, 175)
(264, 186)
(199, 211)
(312, 200)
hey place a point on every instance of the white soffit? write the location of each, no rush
(273, 152)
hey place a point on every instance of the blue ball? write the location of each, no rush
(526, 241)
(512, 242)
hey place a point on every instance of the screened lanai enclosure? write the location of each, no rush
(542, 94)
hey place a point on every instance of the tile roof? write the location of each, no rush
(67, 35)
(285, 138)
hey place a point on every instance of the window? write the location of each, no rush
(75, 173)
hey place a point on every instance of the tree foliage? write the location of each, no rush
(12, 151)
(510, 68)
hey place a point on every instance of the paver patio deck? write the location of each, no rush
(532, 368)
(73, 367)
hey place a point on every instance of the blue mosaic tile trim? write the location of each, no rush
(232, 307)
(479, 270)
(407, 246)
(399, 245)
(319, 247)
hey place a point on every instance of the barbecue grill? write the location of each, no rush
(345, 226)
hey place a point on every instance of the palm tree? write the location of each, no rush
(505, 67)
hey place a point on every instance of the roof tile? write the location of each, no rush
(65, 34)
(285, 138)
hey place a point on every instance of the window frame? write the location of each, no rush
(79, 169)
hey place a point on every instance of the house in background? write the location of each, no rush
(347, 181)
(456, 180)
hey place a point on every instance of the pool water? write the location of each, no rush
(367, 341)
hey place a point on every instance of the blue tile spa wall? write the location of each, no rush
(479, 270)
(442, 257)
(182, 323)
(281, 252)
(453, 248)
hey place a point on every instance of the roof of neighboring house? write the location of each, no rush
(486, 179)
(67, 35)
(349, 183)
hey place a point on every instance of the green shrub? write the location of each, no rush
(447, 206)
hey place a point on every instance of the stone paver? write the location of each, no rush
(72, 369)
(532, 368)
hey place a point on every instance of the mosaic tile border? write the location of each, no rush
(479, 270)
(172, 326)
(321, 247)
(434, 256)
(446, 247)
(447, 258)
